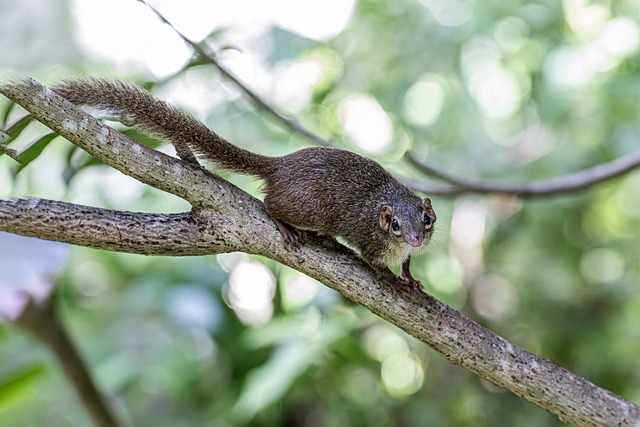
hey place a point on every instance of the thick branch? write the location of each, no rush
(140, 233)
(241, 222)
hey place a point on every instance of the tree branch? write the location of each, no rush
(559, 185)
(225, 212)
(140, 233)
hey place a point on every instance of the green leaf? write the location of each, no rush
(7, 112)
(34, 150)
(19, 387)
(216, 34)
(15, 129)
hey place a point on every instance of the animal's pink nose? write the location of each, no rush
(415, 241)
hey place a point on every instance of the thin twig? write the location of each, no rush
(257, 99)
(563, 184)
(41, 320)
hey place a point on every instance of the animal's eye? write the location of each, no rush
(427, 219)
(395, 225)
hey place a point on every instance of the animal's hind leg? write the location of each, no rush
(290, 234)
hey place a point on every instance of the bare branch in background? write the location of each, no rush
(41, 320)
(257, 99)
(562, 184)
(546, 187)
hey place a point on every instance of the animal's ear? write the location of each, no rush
(385, 217)
(429, 211)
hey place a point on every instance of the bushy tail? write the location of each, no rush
(137, 107)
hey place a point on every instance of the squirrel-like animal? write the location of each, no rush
(327, 190)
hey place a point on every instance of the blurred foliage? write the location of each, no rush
(512, 91)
